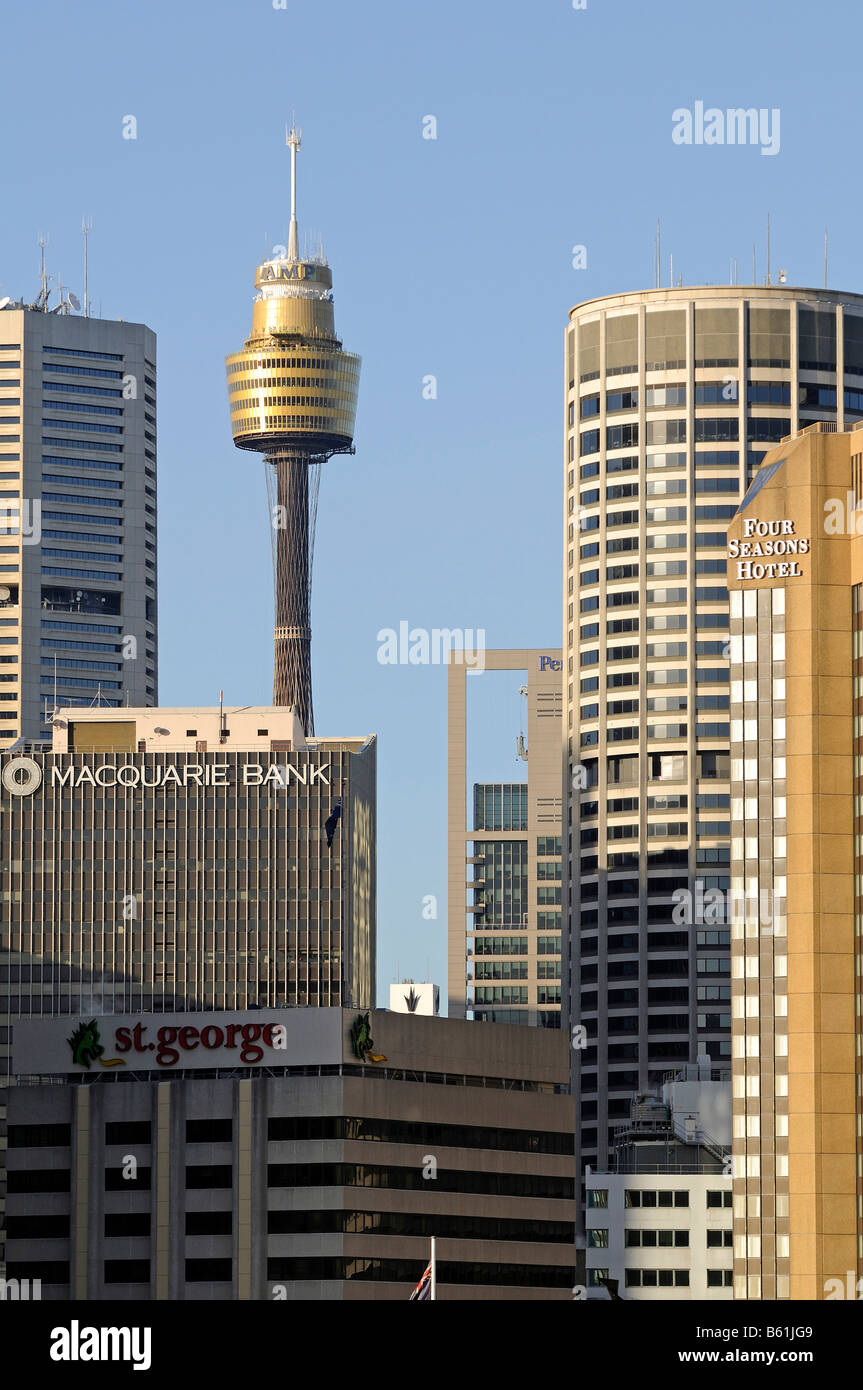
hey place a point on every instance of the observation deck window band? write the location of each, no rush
(288, 632)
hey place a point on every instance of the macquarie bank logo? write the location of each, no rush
(21, 776)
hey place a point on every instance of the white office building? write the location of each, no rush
(77, 516)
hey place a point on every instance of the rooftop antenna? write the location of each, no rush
(86, 228)
(293, 139)
(825, 258)
(42, 301)
(768, 248)
(520, 750)
(658, 254)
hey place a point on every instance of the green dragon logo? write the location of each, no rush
(87, 1047)
(361, 1040)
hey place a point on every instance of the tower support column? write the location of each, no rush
(292, 670)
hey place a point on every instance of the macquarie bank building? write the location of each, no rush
(194, 859)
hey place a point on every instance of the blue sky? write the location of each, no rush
(451, 257)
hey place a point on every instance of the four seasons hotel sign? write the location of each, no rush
(764, 542)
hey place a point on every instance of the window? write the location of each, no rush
(597, 1237)
(710, 430)
(127, 1132)
(720, 1198)
(38, 1180)
(211, 1271)
(127, 1271)
(597, 1196)
(618, 436)
(209, 1131)
(209, 1223)
(664, 1198)
(666, 432)
(39, 1136)
(589, 442)
(719, 1239)
(125, 1223)
(657, 1278)
(711, 484)
(116, 1182)
(207, 1175)
(38, 1227)
(621, 400)
(659, 1239)
(665, 395)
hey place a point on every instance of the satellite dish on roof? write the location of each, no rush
(5, 593)
(74, 300)
(7, 299)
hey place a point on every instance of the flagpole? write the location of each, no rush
(433, 1269)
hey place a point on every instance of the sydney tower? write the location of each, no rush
(293, 396)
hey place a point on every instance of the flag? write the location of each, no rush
(422, 1292)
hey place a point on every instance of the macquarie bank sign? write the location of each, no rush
(21, 776)
(113, 1044)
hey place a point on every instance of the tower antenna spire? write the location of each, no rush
(86, 228)
(293, 140)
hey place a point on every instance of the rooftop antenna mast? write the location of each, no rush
(42, 301)
(293, 139)
(86, 228)
(768, 248)
(520, 749)
(825, 258)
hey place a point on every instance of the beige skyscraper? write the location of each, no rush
(795, 572)
(673, 397)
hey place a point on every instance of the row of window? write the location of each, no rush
(653, 516)
(219, 1270)
(659, 487)
(292, 1222)
(707, 430)
(705, 458)
(617, 544)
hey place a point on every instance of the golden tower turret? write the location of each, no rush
(293, 397)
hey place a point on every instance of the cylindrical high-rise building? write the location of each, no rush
(293, 397)
(672, 398)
